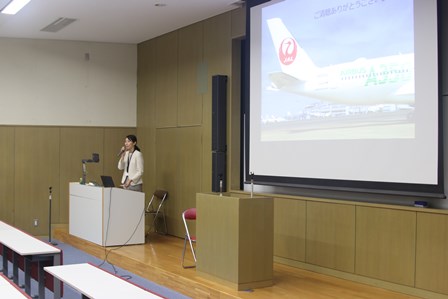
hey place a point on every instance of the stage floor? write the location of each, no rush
(159, 260)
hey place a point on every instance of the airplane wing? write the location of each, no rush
(407, 89)
(280, 80)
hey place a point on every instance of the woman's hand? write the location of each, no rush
(127, 184)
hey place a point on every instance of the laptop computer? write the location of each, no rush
(107, 181)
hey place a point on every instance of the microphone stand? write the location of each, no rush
(84, 172)
(251, 184)
(49, 220)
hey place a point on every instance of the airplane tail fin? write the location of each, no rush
(294, 61)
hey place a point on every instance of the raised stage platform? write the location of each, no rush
(159, 260)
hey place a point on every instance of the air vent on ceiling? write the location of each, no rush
(58, 24)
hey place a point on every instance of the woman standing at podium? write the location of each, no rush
(131, 162)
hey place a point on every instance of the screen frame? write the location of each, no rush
(403, 189)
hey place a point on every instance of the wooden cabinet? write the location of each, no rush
(235, 239)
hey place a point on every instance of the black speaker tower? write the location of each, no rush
(219, 133)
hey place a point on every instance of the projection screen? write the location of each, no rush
(344, 94)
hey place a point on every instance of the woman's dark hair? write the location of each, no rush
(133, 138)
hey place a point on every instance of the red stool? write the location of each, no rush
(189, 215)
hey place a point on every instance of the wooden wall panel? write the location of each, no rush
(166, 89)
(238, 22)
(167, 175)
(168, 97)
(290, 228)
(146, 84)
(146, 69)
(146, 110)
(385, 244)
(190, 57)
(218, 45)
(178, 171)
(36, 169)
(189, 165)
(78, 143)
(7, 157)
(432, 252)
(330, 234)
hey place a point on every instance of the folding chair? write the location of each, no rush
(189, 215)
(156, 208)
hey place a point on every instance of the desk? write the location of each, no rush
(32, 250)
(9, 290)
(235, 239)
(93, 282)
(107, 216)
(5, 226)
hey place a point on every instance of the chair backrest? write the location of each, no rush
(161, 194)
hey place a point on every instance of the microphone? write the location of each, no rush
(95, 159)
(121, 151)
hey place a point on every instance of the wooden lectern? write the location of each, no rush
(235, 239)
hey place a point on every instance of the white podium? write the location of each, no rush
(107, 216)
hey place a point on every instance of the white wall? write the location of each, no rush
(45, 82)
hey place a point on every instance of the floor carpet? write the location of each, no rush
(73, 255)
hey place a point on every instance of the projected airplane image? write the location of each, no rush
(365, 98)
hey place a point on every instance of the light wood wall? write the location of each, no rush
(174, 107)
(36, 158)
(401, 248)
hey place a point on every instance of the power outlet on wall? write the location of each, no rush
(36, 222)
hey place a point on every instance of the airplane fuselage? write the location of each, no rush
(362, 82)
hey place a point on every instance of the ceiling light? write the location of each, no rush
(14, 6)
